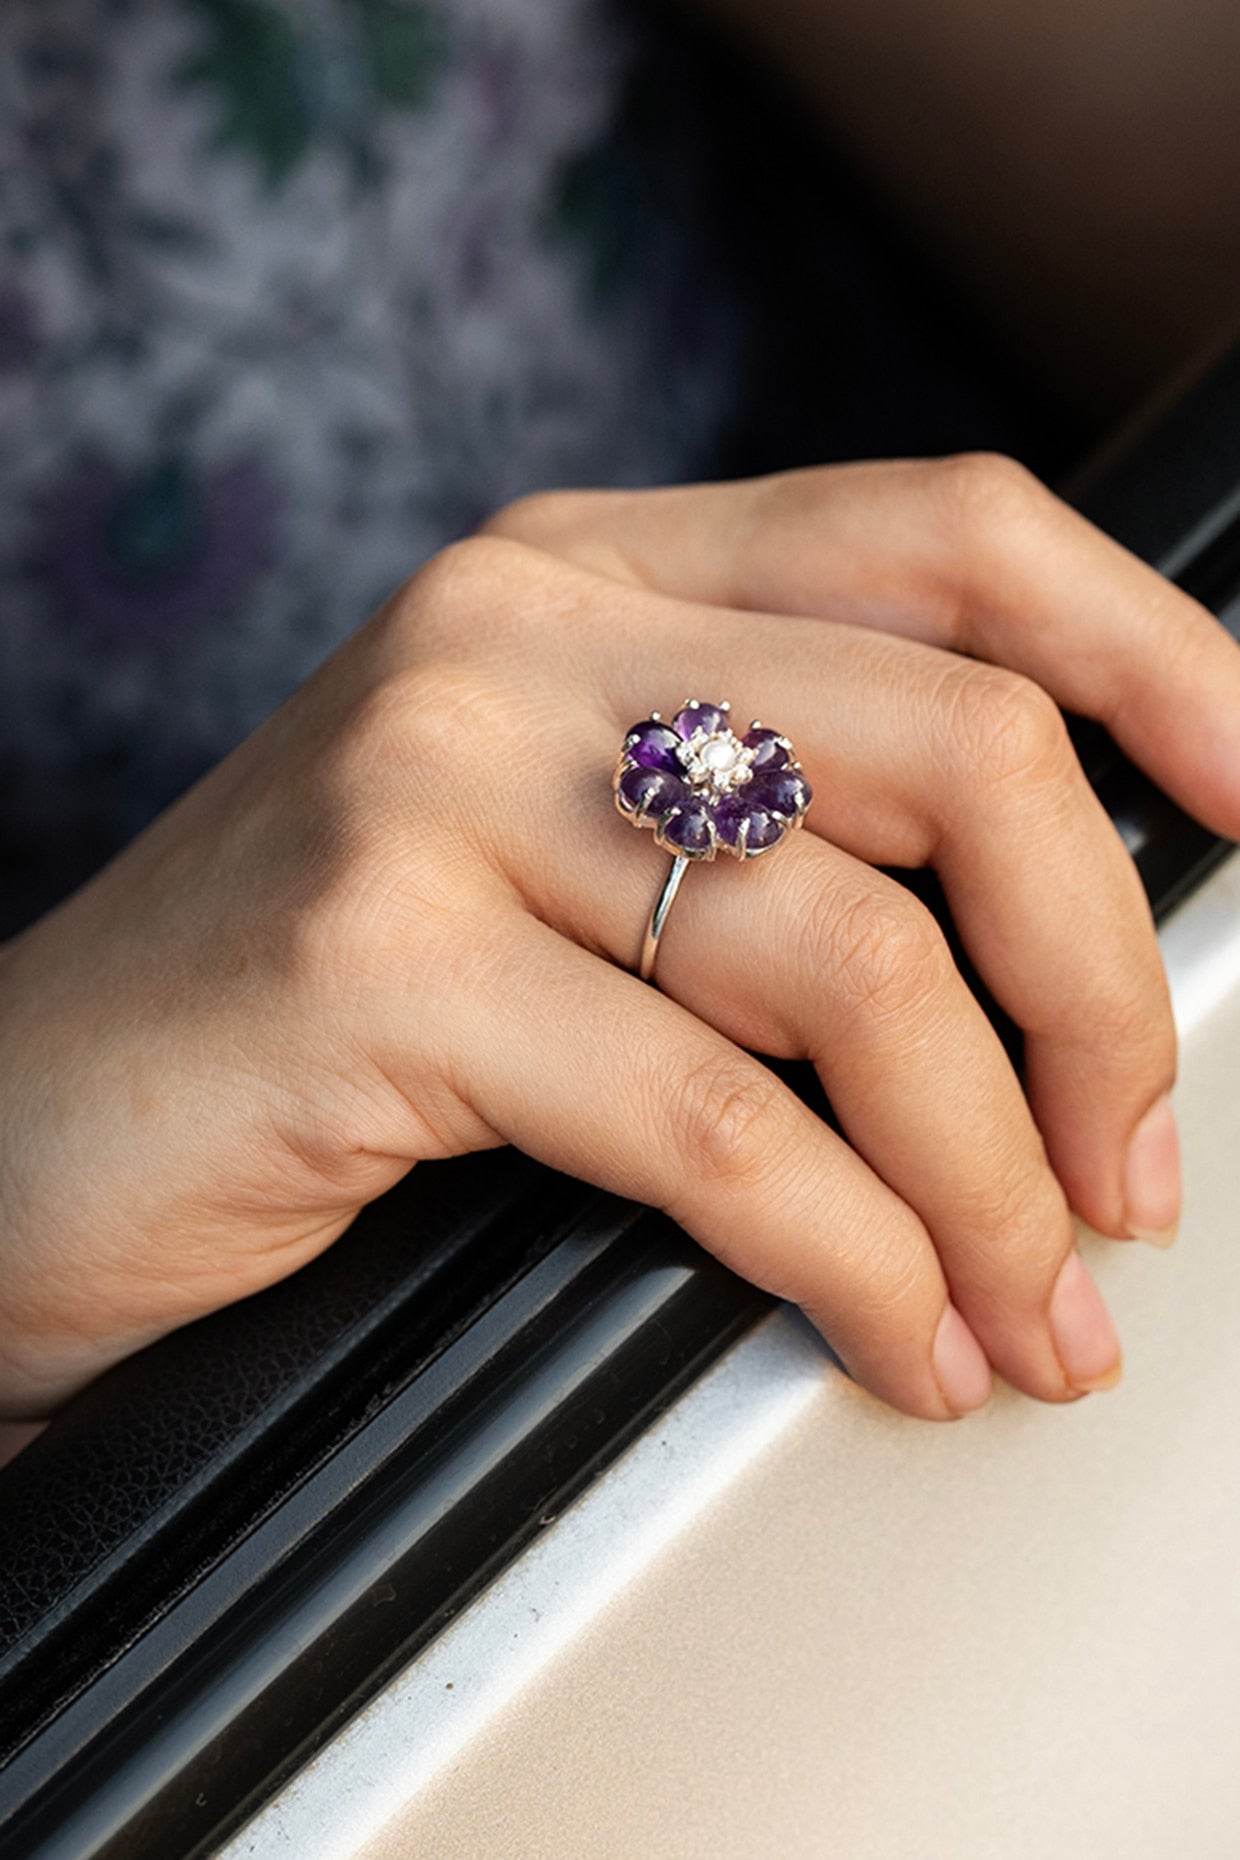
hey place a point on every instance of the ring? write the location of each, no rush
(704, 789)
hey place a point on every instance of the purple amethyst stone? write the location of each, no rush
(784, 791)
(651, 791)
(689, 832)
(769, 752)
(653, 746)
(716, 794)
(693, 717)
(763, 828)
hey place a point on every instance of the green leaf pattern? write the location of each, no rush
(251, 63)
(276, 73)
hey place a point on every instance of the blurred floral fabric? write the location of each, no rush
(292, 293)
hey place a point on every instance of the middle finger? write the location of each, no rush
(816, 955)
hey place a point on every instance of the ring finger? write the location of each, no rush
(815, 955)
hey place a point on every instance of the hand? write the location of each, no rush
(398, 923)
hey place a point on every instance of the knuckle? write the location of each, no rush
(886, 954)
(1137, 1023)
(459, 583)
(542, 518)
(1022, 1220)
(984, 489)
(889, 1286)
(484, 599)
(1005, 728)
(724, 1114)
(585, 529)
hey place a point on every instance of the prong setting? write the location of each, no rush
(703, 789)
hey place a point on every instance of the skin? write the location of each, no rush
(400, 922)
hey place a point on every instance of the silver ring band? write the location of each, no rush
(658, 916)
(705, 790)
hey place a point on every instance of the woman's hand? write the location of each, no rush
(399, 923)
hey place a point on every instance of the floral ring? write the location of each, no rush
(704, 789)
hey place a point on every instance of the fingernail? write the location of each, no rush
(960, 1364)
(1081, 1326)
(1152, 1177)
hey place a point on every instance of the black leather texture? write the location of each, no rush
(150, 1475)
